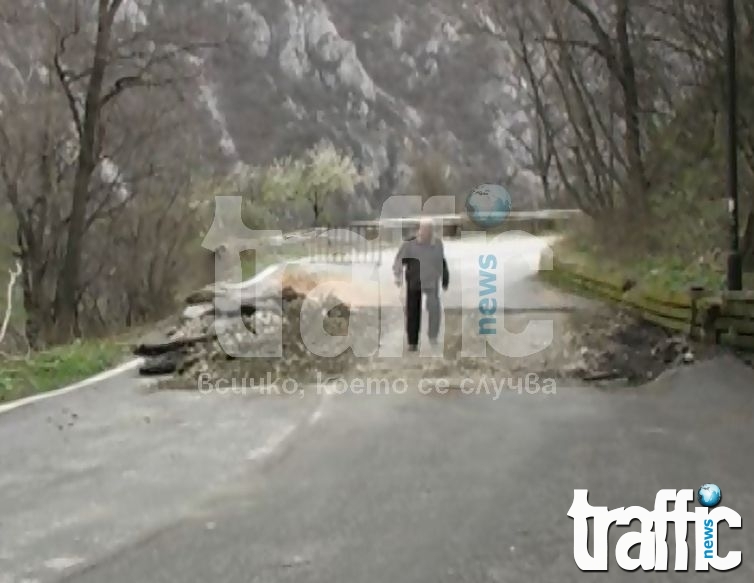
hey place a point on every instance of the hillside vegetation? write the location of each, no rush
(119, 125)
(626, 110)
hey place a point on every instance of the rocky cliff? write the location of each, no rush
(385, 79)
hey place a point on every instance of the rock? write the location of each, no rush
(202, 296)
(162, 365)
(268, 304)
(156, 344)
(265, 322)
(159, 343)
(670, 350)
(198, 329)
(339, 311)
(597, 376)
(576, 369)
(291, 295)
(231, 302)
(238, 339)
(195, 311)
(195, 348)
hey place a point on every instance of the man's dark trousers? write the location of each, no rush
(414, 313)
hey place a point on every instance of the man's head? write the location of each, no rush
(426, 231)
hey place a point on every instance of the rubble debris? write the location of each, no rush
(207, 340)
(625, 347)
(599, 345)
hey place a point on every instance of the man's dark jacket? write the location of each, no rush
(424, 263)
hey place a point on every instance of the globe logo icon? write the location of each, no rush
(709, 495)
(488, 205)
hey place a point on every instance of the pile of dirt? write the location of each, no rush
(625, 348)
(214, 345)
(599, 345)
(594, 345)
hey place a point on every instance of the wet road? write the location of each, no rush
(119, 483)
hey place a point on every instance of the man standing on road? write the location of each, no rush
(422, 258)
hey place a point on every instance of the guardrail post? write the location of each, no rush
(696, 329)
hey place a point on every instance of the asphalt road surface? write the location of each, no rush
(119, 483)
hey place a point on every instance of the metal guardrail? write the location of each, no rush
(364, 241)
(463, 219)
(359, 243)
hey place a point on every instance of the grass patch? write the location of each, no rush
(55, 368)
(653, 275)
(666, 257)
(650, 274)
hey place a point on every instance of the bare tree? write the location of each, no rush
(117, 65)
(74, 143)
(539, 141)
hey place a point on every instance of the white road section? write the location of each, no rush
(517, 260)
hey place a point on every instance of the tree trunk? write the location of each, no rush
(637, 177)
(546, 191)
(36, 326)
(37, 305)
(36, 298)
(69, 277)
(747, 245)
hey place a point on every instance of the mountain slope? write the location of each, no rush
(387, 80)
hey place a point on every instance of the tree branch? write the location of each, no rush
(583, 44)
(14, 275)
(603, 38)
(64, 76)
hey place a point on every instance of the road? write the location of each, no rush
(121, 483)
